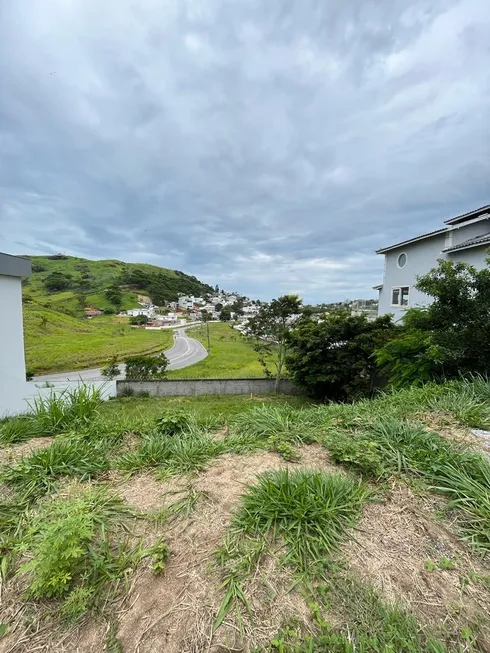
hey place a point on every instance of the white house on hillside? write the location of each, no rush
(464, 238)
(12, 363)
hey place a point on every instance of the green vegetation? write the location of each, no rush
(57, 336)
(203, 483)
(55, 342)
(231, 355)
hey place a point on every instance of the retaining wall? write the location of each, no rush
(189, 387)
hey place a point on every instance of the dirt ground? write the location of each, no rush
(175, 612)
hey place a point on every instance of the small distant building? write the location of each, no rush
(136, 312)
(186, 302)
(12, 363)
(91, 311)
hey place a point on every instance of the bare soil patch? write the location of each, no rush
(398, 547)
(13, 453)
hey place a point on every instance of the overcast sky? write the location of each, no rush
(269, 146)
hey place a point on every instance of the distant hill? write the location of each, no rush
(67, 284)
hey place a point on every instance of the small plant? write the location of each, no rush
(284, 448)
(172, 422)
(446, 563)
(159, 555)
(127, 391)
(111, 370)
(68, 549)
(430, 565)
(144, 394)
(59, 411)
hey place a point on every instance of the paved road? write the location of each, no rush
(185, 351)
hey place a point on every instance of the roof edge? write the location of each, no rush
(14, 266)
(465, 216)
(383, 250)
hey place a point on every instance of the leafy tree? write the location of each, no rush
(225, 315)
(270, 329)
(81, 300)
(138, 320)
(219, 307)
(57, 282)
(146, 368)
(333, 358)
(114, 295)
(111, 370)
(448, 338)
(237, 307)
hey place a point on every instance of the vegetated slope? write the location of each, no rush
(253, 524)
(91, 279)
(55, 342)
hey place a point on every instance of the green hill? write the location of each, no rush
(58, 337)
(67, 283)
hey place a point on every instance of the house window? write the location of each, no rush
(400, 296)
(401, 261)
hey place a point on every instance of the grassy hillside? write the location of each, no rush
(92, 278)
(58, 337)
(55, 342)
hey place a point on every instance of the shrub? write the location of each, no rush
(146, 368)
(111, 370)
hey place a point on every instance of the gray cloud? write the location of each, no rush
(265, 146)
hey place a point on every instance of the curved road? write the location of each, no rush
(184, 352)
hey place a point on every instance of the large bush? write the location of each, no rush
(334, 358)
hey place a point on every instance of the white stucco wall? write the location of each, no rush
(12, 364)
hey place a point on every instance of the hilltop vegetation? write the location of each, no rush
(68, 283)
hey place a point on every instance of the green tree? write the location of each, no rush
(81, 300)
(334, 358)
(111, 370)
(225, 315)
(448, 338)
(270, 330)
(57, 282)
(114, 295)
(138, 320)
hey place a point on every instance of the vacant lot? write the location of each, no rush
(247, 524)
(55, 342)
(230, 356)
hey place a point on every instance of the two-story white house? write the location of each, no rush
(464, 238)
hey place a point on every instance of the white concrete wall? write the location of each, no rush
(12, 364)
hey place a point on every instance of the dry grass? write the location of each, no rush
(398, 546)
(13, 453)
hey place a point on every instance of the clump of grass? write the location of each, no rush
(307, 512)
(61, 411)
(464, 405)
(270, 420)
(172, 456)
(36, 474)
(19, 429)
(387, 446)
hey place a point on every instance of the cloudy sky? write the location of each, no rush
(269, 146)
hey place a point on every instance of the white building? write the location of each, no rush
(186, 302)
(13, 386)
(135, 312)
(465, 238)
